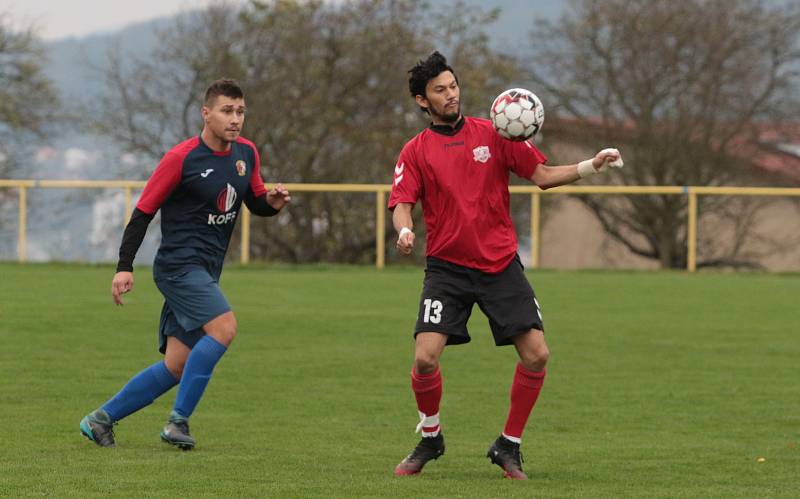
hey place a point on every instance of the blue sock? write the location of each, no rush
(140, 391)
(199, 366)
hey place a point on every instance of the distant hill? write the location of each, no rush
(70, 59)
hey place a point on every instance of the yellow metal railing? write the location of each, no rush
(380, 191)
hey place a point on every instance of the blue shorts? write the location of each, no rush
(192, 298)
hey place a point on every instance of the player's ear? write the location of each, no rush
(204, 112)
(422, 101)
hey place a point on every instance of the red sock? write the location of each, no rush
(524, 392)
(428, 392)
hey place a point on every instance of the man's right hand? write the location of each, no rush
(122, 283)
(405, 243)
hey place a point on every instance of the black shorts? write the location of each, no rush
(449, 291)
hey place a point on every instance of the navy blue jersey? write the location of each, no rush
(200, 193)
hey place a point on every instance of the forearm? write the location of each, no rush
(132, 239)
(401, 217)
(259, 206)
(553, 176)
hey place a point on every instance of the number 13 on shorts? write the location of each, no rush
(433, 311)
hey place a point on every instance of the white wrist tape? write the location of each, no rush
(403, 231)
(585, 168)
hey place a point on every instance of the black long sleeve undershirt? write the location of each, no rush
(137, 228)
(132, 239)
(259, 206)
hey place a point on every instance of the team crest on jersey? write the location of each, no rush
(226, 199)
(241, 167)
(482, 154)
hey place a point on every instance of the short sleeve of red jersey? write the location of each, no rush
(256, 182)
(406, 182)
(161, 183)
(522, 157)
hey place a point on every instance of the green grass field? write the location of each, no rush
(659, 385)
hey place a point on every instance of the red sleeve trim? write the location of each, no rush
(256, 182)
(165, 178)
(525, 158)
(406, 183)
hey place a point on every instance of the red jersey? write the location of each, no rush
(461, 175)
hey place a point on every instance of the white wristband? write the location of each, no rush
(403, 231)
(585, 168)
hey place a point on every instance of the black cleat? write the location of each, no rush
(428, 448)
(98, 427)
(177, 433)
(506, 454)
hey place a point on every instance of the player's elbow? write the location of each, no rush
(544, 183)
(543, 178)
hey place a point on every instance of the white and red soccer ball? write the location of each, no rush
(517, 114)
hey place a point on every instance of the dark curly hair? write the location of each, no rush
(227, 87)
(425, 71)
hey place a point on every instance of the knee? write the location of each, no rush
(425, 363)
(535, 359)
(224, 330)
(228, 333)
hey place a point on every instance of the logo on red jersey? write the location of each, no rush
(226, 199)
(241, 167)
(482, 154)
(398, 173)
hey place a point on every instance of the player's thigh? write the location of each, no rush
(508, 300)
(446, 302)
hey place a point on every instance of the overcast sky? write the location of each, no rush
(62, 18)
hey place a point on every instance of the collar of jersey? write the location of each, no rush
(447, 129)
(215, 153)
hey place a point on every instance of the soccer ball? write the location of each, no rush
(517, 114)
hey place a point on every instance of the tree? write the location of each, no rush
(28, 102)
(327, 99)
(153, 100)
(678, 85)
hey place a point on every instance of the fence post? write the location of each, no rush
(23, 220)
(126, 216)
(691, 232)
(380, 229)
(536, 199)
(245, 257)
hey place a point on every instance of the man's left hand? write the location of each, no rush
(278, 197)
(607, 158)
